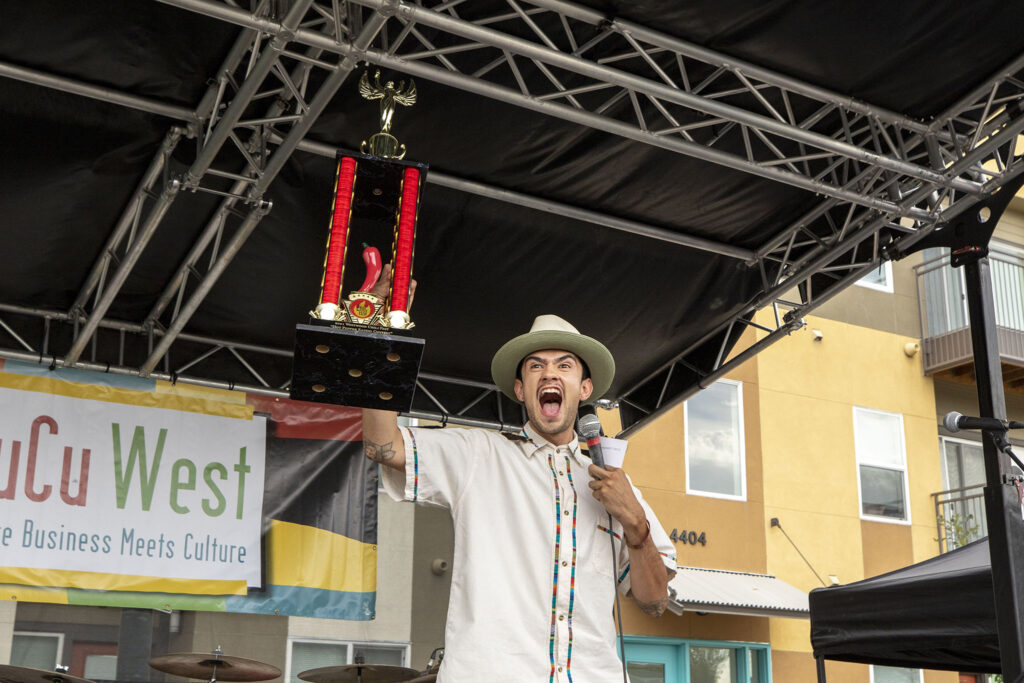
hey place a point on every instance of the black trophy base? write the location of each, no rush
(347, 366)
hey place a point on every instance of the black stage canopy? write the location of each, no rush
(936, 614)
(656, 172)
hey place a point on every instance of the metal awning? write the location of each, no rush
(725, 592)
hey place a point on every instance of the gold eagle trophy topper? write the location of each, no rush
(357, 351)
(384, 144)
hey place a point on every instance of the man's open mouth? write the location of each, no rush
(550, 401)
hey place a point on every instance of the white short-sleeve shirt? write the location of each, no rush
(532, 577)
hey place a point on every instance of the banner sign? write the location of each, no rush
(132, 492)
(147, 491)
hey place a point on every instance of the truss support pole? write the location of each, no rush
(215, 225)
(1002, 505)
(246, 92)
(316, 106)
(242, 234)
(193, 175)
(128, 216)
(109, 95)
(200, 245)
(968, 241)
(163, 203)
(193, 120)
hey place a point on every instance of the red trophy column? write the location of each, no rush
(398, 316)
(334, 262)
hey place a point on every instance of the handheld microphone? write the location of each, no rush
(954, 422)
(590, 429)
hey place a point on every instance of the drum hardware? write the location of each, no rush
(429, 675)
(24, 674)
(213, 667)
(359, 673)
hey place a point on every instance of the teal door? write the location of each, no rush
(652, 664)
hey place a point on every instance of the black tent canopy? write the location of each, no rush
(655, 172)
(936, 614)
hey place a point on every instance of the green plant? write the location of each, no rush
(957, 530)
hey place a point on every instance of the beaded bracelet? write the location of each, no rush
(642, 540)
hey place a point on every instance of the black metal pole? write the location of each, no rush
(134, 646)
(1002, 505)
(819, 661)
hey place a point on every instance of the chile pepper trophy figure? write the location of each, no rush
(356, 349)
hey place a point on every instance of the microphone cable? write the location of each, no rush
(618, 605)
(590, 429)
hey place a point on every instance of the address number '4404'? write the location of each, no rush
(688, 537)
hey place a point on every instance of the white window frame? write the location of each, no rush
(906, 474)
(45, 634)
(887, 287)
(942, 454)
(742, 448)
(871, 672)
(1006, 248)
(349, 645)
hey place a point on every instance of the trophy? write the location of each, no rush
(357, 349)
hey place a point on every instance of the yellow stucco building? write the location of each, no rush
(841, 467)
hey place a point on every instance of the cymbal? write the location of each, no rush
(206, 666)
(359, 673)
(23, 674)
(428, 678)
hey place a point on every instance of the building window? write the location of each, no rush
(100, 667)
(715, 458)
(37, 650)
(963, 463)
(672, 660)
(895, 674)
(306, 654)
(880, 278)
(881, 464)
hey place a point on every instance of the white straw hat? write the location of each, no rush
(551, 332)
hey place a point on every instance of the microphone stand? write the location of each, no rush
(1003, 444)
(998, 437)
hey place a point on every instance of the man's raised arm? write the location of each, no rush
(382, 440)
(648, 574)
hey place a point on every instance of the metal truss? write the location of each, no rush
(259, 67)
(884, 179)
(28, 335)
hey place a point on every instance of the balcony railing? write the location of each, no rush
(945, 326)
(960, 516)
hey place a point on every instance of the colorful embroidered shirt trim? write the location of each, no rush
(415, 468)
(554, 580)
(572, 579)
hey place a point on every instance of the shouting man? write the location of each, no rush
(533, 579)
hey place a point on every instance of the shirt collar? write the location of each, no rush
(540, 444)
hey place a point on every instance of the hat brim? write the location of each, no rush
(592, 352)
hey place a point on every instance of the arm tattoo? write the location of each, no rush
(654, 609)
(379, 452)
